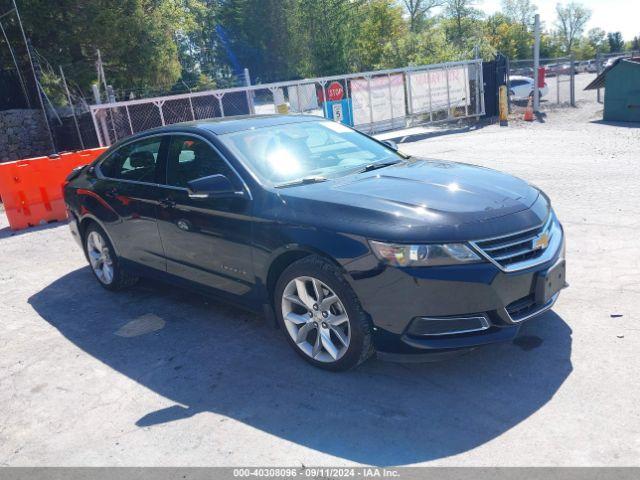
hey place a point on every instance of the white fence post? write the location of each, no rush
(159, 104)
(247, 82)
(193, 113)
(430, 100)
(407, 77)
(129, 118)
(390, 97)
(219, 97)
(324, 99)
(446, 71)
(466, 89)
(370, 103)
(95, 125)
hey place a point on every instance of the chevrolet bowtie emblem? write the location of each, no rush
(541, 241)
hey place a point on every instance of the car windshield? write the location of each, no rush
(284, 154)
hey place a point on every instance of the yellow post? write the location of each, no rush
(502, 103)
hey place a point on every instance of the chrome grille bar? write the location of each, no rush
(506, 245)
(517, 251)
(510, 255)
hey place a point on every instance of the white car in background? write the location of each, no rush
(592, 66)
(522, 87)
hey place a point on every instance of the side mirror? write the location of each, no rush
(212, 186)
(391, 144)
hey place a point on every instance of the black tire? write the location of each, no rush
(361, 344)
(121, 279)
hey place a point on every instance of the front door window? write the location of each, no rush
(191, 159)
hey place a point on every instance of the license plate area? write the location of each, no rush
(550, 282)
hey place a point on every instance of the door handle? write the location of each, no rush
(167, 203)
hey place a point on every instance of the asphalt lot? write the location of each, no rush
(158, 376)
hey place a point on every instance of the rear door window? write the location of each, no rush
(136, 161)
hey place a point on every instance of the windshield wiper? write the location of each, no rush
(301, 181)
(377, 165)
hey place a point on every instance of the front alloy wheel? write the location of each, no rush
(316, 319)
(321, 316)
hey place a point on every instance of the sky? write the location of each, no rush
(610, 15)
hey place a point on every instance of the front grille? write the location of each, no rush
(509, 250)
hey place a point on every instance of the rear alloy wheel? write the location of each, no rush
(100, 257)
(103, 260)
(321, 315)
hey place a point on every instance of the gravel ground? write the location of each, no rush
(158, 376)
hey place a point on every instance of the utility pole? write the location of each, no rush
(101, 74)
(247, 82)
(572, 84)
(536, 63)
(103, 121)
(35, 77)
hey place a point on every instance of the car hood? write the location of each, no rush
(418, 194)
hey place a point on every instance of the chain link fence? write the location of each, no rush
(369, 101)
(558, 83)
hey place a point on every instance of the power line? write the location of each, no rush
(35, 76)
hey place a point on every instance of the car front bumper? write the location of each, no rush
(439, 310)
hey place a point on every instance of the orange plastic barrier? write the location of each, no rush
(31, 189)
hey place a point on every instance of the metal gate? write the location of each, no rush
(494, 75)
(370, 101)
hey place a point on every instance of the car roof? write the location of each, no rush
(520, 77)
(220, 126)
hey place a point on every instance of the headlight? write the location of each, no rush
(427, 255)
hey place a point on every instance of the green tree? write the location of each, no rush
(256, 34)
(196, 45)
(520, 11)
(428, 46)
(380, 23)
(597, 38)
(462, 25)
(136, 38)
(551, 45)
(324, 35)
(508, 37)
(418, 12)
(584, 50)
(572, 18)
(616, 43)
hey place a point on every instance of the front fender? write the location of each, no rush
(276, 241)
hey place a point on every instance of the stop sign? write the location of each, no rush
(335, 91)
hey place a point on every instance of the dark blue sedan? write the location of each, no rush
(346, 244)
